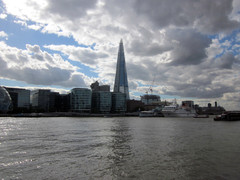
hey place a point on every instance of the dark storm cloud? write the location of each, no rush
(201, 86)
(138, 71)
(48, 76)
(195, 81)
(207, 16)
(140, 47)
(189, 47)
(226, 61)
(202, 92)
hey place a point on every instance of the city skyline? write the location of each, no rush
(190, 49)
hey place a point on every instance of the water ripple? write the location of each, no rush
(118, 148)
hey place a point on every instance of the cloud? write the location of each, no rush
(106, 21)
(141, 47)
(70, 9)
(86, 56)
(206, 16)
(3, 16)
(3, 35)
(35, 66)
(226, 61)
(189, 47)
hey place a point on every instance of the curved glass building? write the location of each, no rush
(5, 100)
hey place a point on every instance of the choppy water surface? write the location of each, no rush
(119, 148)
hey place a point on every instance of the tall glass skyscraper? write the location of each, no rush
(121, 82)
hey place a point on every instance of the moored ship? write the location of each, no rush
(228, 116)
(186, 110)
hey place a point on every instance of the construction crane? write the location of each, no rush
(151, 86)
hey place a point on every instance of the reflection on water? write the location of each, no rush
(121, 149)
(118, 148)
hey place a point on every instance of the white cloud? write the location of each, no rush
(86, 56)
(21, 22)
(3, 16)
(35, 66)
(34, 27)
(3, 35)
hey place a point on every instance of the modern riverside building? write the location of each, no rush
(121, 82)
(64, 103)
(20, 98)
(101, 101)
(118, 102)
(80, 100)
(150, 99)
(54, 101)
(40, 99)
(5, 100)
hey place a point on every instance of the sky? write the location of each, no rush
(183, 49)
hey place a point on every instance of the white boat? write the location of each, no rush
(147, 114)
(178, 111)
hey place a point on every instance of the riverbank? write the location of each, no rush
(69, 114)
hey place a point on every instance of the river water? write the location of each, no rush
(119, 148)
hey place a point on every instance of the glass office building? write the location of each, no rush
(40, 99)
(101, 102)
(20, 97)
(118, 102)
(81, 100)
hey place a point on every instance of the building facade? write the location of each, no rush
(121, 81)
(101, 101)
(20, 98)
(118, 102)
(64, 103)
(150, 99)
(134, 105)
(81, 100)
(189, 104)
(54, 101)
(40, 99)
(96, 87)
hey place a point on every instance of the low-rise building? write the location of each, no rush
(134, 105)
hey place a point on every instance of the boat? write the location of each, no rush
(178, 111)
(147, 114)
(201, 116)
(228, 116)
